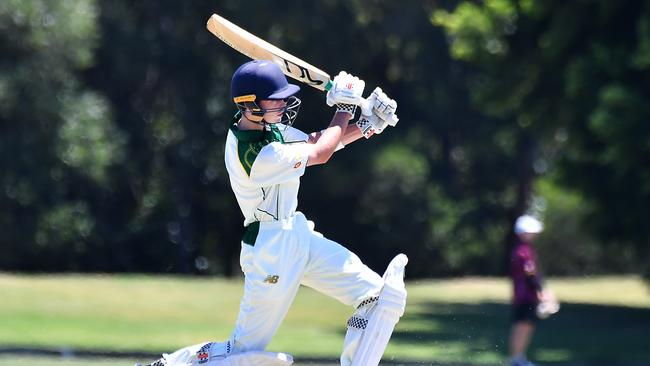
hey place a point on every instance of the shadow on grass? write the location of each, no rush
(578, 334)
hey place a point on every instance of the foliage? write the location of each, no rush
(576, 83)
(113, 116)
(58, 139)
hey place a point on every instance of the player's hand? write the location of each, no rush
(546, 295)
(383, 106)
(548, 304)
(346, 92)
(377, 114)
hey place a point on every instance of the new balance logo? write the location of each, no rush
(273, 279)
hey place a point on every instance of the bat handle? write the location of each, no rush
(366, 106)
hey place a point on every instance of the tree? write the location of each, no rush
(576, 84)
(58, 139)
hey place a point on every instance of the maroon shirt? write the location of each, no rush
(525, 278)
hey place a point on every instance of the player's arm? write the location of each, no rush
(346, 93)
(381, 114)
(322, 149)
(530, 271)
(352, 134)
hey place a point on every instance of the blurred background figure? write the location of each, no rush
(530, 301)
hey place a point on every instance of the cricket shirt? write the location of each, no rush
(264, 168)
(525, 277)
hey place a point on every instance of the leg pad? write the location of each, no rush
(371, 326)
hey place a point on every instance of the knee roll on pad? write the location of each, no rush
(370, 327)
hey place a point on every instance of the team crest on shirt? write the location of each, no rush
(272, 279)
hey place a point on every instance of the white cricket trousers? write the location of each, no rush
(286, 254)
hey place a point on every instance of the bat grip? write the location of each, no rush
(366, 106)
(329, 85)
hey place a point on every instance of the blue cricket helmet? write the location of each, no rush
(260, 79)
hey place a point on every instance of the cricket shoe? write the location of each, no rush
(252, 358)
(520, 361)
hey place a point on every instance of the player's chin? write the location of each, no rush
(274, 119)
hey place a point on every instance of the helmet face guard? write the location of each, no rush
(263, 80)
(289, 111)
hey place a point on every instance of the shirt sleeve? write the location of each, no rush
(292, 135)
(278, 163)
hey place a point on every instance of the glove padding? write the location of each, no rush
(346, 92)
(379, 112)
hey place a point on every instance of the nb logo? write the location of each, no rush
(273, 279)
(349, 85)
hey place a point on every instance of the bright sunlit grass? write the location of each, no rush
(455, 320)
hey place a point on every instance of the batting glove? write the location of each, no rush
(377, 114)
(346, 93)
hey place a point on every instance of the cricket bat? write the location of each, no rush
(258, 49)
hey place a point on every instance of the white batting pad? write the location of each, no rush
(366, 346)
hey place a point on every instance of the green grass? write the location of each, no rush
(61, 361)
(602, 320)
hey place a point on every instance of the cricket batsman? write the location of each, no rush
(280, 250)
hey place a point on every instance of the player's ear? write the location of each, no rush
(253, 112)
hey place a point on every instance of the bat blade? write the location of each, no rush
(258, 49)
